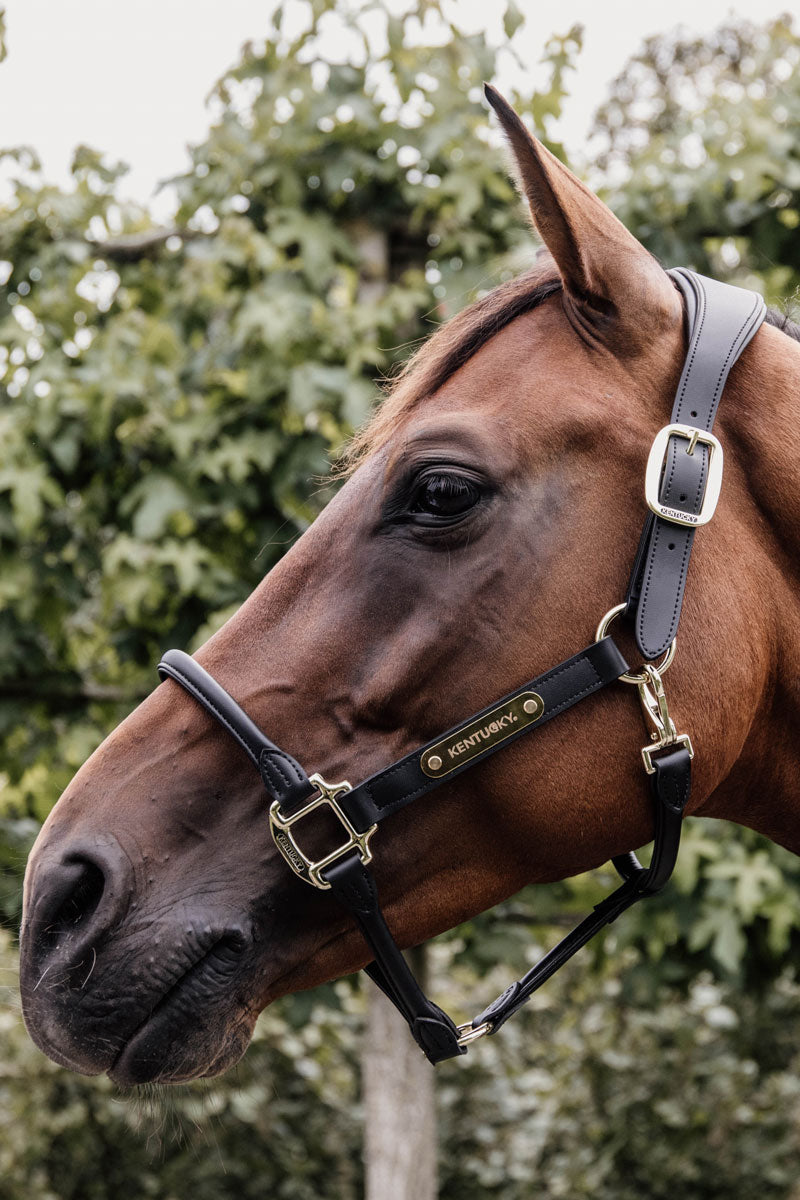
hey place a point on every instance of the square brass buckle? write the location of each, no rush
(655, 470)
(281, 830)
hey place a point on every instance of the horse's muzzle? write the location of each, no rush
(107, 988)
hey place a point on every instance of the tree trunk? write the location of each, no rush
(396, 1078)
(399, 1103)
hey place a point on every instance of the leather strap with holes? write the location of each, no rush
(720, 322)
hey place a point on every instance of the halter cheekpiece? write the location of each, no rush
(682, 484)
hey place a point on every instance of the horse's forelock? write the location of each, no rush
(450, 347)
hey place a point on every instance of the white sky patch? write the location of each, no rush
(132, 80)
(99, 288)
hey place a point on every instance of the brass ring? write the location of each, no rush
(602, 629)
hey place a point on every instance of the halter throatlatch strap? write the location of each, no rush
(670, 786)
(682, 484)
(685, 468)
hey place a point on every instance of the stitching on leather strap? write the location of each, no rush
(355, 898)
(352, 890)
(734, 346)
(676, 532)
(195, 691)
(693, 350)
(268, 758)
(674, 791)
(659, 528)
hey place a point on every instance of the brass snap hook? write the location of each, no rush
(653, 699)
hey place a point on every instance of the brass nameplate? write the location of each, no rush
(477, 736)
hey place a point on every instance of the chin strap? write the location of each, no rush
(438, 1036)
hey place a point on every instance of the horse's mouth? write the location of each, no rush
(190, 1031)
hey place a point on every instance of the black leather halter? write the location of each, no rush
(682, 485)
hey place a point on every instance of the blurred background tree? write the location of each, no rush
(698, 141)
(172, 401)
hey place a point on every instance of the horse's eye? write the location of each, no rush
(440, 495)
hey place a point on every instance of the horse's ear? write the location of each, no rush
(614, 286)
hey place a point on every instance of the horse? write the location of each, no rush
(490, 514)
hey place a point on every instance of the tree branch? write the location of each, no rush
(25, 689)
(133, 247)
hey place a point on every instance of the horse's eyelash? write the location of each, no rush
(403, 493)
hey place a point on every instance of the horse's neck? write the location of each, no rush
(763, 424)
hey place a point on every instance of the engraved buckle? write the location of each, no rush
(281, 830)
(655, 469)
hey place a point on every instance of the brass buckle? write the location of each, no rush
(281, 830)
(655, 469)
(654, 706)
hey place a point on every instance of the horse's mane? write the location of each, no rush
(455, 342)
(784, 322)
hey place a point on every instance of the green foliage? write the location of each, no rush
(588, 1096)
(699, 138)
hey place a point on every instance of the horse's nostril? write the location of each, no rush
(75, 899)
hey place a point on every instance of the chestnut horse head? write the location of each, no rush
(491, 519)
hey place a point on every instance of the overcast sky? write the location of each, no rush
(131, 79)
